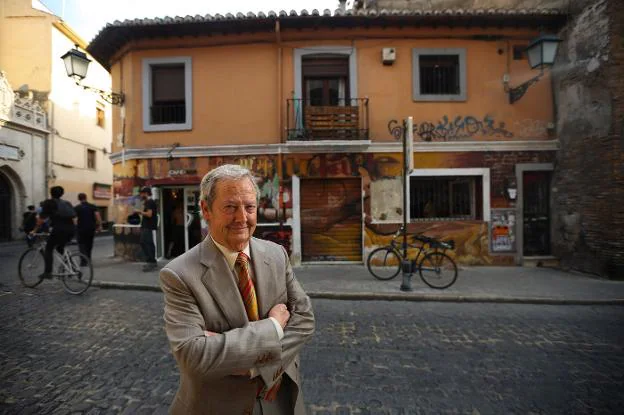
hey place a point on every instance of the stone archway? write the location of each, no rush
(12, 193)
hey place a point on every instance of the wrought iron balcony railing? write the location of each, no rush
(348, 120)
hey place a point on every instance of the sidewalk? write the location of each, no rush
(354, 282)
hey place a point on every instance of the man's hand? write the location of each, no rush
(280, 313)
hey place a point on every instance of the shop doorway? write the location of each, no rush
(181, 219)
(536, 209)
(331, 220)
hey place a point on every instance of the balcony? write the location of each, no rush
(346, 121)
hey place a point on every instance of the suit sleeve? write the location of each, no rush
(211, 357)
(299, 329)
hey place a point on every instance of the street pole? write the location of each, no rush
(406, 266)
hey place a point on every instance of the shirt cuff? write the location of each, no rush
(253, 372)
(278, 328)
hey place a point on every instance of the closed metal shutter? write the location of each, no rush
(331, 219)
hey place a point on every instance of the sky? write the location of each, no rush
(88, 17)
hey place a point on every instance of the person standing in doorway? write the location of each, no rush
(89, 221)
(148, 225)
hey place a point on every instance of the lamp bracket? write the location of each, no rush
(110, 97)
(518, 92)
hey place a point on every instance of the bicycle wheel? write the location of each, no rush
(79, 280)
(384, 263)
(31, 267)
(438, 270)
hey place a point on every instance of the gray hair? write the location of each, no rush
(208, 184)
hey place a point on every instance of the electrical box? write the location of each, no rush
(388, 55)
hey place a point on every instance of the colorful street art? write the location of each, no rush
(189, 171)
(378, 199)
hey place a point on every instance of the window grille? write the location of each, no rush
(168, 101)
(439, 74)
(443, 198)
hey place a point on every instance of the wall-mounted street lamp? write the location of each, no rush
(76, 65)
(541, 52)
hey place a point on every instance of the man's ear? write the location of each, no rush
(205, 210)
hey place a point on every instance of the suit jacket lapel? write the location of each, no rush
(219, 281)
(265, 282)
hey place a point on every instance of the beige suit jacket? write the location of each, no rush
(201, 294)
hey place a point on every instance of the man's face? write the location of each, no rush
(143, 195)
(233, 214)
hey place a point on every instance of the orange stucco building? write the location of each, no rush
(314, 104)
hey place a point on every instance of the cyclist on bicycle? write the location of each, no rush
(61, 215)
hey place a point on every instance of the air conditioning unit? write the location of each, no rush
(388, 55)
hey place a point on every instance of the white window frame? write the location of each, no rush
(147, 93)
(417, 96)
(485, 180)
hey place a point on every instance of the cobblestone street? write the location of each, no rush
(105, 352)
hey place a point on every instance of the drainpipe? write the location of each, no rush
(280, 170)
(49, 153)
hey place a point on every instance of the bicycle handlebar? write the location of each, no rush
(426, 239)
(32, 235)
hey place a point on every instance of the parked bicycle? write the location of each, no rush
(436, 268)
(72, 268)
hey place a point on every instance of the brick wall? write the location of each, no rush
(588, 195)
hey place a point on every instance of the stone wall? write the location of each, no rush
(588, 183)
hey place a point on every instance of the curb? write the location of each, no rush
(333, 295)
(125, 286)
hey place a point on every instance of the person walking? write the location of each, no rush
(89, 222)
(149, 223)
(235, 315)
(60, 214)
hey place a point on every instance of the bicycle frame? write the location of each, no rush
(62, 259)
(424, 247)
(65, 261)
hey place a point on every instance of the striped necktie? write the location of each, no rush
(248, 293)
(246, 287)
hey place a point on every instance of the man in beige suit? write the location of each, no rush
(235, 316)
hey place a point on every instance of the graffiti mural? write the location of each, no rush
(189, 171)
(330, 220)
(459, 128)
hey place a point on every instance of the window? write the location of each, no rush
(326, 80)
(167, 94)
(445, 198)
(91, 159)
(99, 116)
(439, 74)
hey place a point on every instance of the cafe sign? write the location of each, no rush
(182, 172)
(102, 191)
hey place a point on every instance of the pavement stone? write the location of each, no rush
(367, 357)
